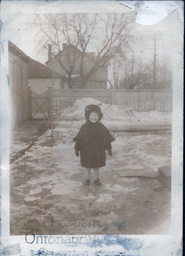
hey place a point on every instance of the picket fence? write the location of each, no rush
(139, 100)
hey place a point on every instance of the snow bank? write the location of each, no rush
(109, 111)
(114, 118)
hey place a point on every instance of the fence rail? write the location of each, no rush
(140, 100)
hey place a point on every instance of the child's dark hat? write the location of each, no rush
(93, 108)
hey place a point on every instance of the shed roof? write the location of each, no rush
(35, 68)
(39, 70)
(16, 51)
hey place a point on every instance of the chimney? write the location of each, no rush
(64, 46)
(49, 51)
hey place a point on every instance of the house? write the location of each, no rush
(73, 64)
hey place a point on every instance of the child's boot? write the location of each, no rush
(96, 177)
(97, 182)
(87, 181)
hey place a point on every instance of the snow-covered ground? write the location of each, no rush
(47, 191)
(115, 118)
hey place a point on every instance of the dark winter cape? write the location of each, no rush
(92, 140)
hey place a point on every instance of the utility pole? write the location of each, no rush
(154, 70)
(154, 62)
(132, 77)
(125, 75)
(52, 105)
(52, 126)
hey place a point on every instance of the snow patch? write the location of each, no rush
(35, 191)
(114, 117)
(32, 198)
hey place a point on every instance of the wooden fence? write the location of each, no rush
(139, 100)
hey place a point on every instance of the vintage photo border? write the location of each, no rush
(92, 245)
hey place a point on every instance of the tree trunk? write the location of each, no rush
(69, 82)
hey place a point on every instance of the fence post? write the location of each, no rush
(49, 103)
(113, 97)
(29, 103)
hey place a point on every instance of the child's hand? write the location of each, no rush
(110, 152)
(76, 152)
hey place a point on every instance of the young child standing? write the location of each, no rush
(92, 141)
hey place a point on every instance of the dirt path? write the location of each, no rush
(48, 195)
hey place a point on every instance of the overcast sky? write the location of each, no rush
(18, 25)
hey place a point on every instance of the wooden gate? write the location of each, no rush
(40, 105)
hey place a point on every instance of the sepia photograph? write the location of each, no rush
(91, 101)
(91, 149)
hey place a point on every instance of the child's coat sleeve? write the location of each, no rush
(108, 137)
(78, 139)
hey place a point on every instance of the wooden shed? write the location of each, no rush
(18, 73)
(26, 73)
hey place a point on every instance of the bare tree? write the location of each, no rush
(139, 74)
(106, 34)
(163, 71)
(118, 69)
(135, 73)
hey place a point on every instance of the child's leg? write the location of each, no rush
(96, 176)
(88, 173)
(87, 180)
(96, 173)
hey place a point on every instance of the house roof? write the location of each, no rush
(35, 68)
(90, 55)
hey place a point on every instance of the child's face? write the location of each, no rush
(93, 117)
